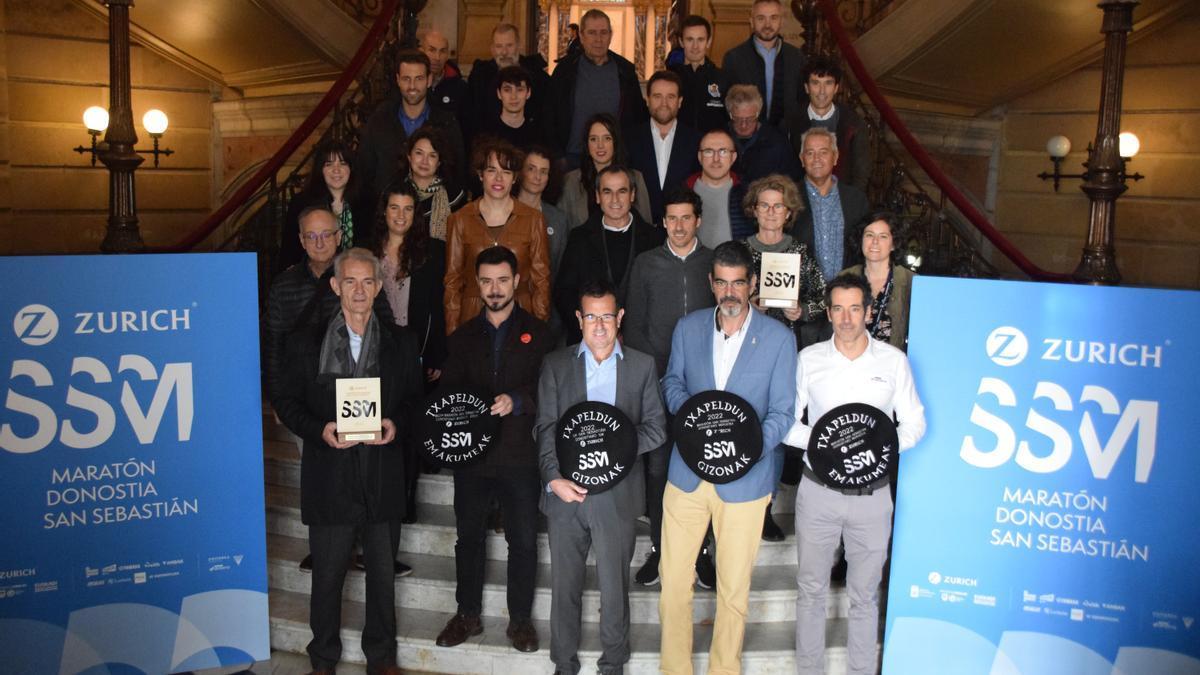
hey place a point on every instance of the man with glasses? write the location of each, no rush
(737, 350)
(605, 245)
(596, 369)
(721, 191)
(762, 149)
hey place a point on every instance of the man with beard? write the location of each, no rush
(738, 350)
(662, 148)
(770, 64)
(383, 137)
(499, 351)
(596, 369)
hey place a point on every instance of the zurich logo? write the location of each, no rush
(935, 578)
(1007, 346)
(35, 325)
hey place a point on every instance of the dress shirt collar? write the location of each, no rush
(741, 331)
(812, 114)
(584, 349)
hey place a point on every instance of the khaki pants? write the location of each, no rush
(737, 529)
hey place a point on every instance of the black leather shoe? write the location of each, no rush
(523, 635)
(306, 564)
(771, 531)
(706, 572)
(458, 629)
(648, 574)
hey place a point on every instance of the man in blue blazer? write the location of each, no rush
(663, 148)
(741, 351)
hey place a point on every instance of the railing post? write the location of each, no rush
(1104, 184)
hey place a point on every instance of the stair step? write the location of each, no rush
(768, 648)
(432, 584)
(435, 534)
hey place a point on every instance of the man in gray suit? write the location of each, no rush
(597, 369)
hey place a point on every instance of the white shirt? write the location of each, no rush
(662, 148)
(725, 349)
(685, 256)
(812, 114)
(880, 377)
(624, 227)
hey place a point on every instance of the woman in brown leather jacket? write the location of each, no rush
(496, 219)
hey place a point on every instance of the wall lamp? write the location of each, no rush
(1058, 147)
(154, 121)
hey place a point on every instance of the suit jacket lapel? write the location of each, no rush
(577, 381)
(706, 361)
(749, 346)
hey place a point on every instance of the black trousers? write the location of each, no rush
(517, 490)
(332, 547)
(658, 461)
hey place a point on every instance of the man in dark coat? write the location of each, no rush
(595, 81)
(499, 352)
(351, 486)
(663, 148)
(704, 84)
(604, 246)
(761, 148)
(770, 64)
(382, 139)
(505, 53)
(822, 83)
(448, 89)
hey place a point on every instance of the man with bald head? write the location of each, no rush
(447, 88)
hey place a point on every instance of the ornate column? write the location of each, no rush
(640, 21)
(117, 153)
(1104, 185)
(662, 16)
(543, 29)
(564, 20)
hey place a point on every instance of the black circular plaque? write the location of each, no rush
(596, 444)
(853, 446)
(456, 427)
(718, 435)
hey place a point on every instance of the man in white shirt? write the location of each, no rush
(850, 367)
(662, 147)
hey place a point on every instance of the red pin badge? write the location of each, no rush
(526, 338)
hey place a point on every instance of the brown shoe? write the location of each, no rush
(458, 629)
(523, 635)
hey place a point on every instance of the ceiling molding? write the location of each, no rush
(291, 72)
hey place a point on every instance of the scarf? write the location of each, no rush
(440, 208)
(336, 359)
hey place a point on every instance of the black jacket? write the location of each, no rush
(681, 164)
(704, 92)
(382, 139)
(584, 260)
(853, 143)
(451, 93)
(662, 290)
(766, 152)
(470, 364)
(486, 106)
(743, 65)
(631, 107)
(297, 300)
(855, 209)
(426, 313)
(362, 484)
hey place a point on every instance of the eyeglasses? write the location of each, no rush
(738, 284)
(604, 318)
(314, 237)
(744, 120)
(765, 207)
(707, 153)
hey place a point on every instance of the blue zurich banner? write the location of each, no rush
(1046, 522)
(131, 477)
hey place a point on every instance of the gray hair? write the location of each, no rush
(742, 94)
(360, 255)
(818, 131)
